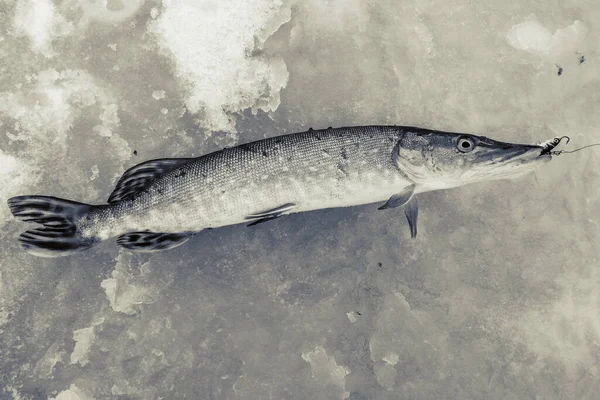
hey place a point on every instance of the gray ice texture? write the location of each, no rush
(497, 298)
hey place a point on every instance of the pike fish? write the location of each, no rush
(159, 204)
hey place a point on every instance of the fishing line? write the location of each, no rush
(559, 152)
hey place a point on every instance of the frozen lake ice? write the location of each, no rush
(497, 298)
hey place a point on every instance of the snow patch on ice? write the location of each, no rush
(95, 172)
(533, 37)
(13, 174)
(44, 111)
(104, 11)
(158, 94)
(223, 70)
(391, 358)
(73, 393)
(326, 371)
(124, 291)
(84, 338)
(122, 296)
(351, 316)
(51, 104)
(41, 23)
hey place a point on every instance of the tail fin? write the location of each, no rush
(59, 236)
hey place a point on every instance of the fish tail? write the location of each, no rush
(59, 235)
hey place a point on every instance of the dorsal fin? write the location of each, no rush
(138, 177)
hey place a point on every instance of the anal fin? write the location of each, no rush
(153, 241)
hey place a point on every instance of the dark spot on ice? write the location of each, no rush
(344, 154)
(379, 264)
(560, 71)
(310, 129)
(581, 59)
(358, 312)
(135, 152)
(329, 127)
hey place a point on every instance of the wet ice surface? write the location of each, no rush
(497, 298)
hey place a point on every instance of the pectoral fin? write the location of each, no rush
(411, 210)
(399, 199)
(269, 215)
(153, 241)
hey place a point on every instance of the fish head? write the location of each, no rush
(440, 160)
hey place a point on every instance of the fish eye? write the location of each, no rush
(465, 144)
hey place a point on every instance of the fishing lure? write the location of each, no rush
(549, 145)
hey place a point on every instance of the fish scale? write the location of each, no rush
(314, 169)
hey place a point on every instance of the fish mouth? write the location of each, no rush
(526, 153)
(507, 160)
(501, 153)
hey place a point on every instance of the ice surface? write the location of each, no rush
(41, 23)
(498, 297)
(233, 79)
